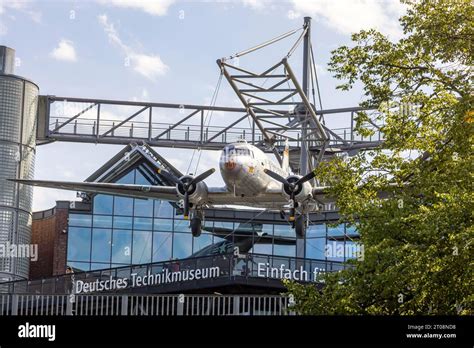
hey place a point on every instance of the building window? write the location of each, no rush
(315, 248)
(163, 209)
(181, 225)
(140, 179)
(122, 246)
(284, 250)
(268, 229)
(80, 220)
(103, 204)
(266, 249)
(79, 244)
(79, 266)
(143, 207)
(104, 221)
(182, 245)
(128, 178)
(318, 230)
(142, 223)
(141, 251)
(123, 222)
(163, 225)
(123, 206)
(96, 266)
(224, 225)
(201, 242)
(101, 245)
(162, 242)
(284, 230)
(336, 231)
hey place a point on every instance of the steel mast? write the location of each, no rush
(306, 71)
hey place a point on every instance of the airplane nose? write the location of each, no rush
(231, 166)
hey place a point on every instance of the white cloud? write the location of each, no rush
(149, 66)
(12, 4)
(16, 5)
(255, 4)
(348, 16)
(291, 14)
(153, 7)
(64, 51)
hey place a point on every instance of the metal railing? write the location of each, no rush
(177, 125)
(144, 305)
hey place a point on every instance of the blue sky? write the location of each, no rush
(165, 51)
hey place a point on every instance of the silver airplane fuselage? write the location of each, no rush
(242, 168)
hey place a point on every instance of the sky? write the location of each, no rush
(166, 51)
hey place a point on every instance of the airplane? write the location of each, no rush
(250, 177)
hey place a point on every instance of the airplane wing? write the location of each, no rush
(221, 195)
(216, 195)
(138, 191)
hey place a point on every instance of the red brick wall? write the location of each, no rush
(60, 242)
(43, 233)
(50, 234)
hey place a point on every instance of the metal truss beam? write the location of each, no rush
(85, 120)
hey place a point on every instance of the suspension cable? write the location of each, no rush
(312, 87)
(295, 46)
(262, 45)
(316, 78)
(208, 116)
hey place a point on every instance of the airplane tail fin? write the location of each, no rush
(285, 165)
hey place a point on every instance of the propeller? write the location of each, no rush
(167, 175)
(292, 186)
(186, 185)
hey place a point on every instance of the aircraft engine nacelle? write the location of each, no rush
(301, 191)
(197, 193)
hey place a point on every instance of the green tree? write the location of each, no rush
(411, 199)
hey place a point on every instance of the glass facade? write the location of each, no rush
(122, 231)
(326, 241)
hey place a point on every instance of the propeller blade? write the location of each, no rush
(167, 175)
(276, 176)
(307, 177)
(186, 206)
(202, 176)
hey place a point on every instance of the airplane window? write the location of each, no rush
(242, 152)
(231, 151)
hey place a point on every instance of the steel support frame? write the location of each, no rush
(50, 132)
(255, 108)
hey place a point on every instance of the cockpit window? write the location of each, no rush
(231, 150)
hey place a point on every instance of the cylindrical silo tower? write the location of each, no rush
(18, 105)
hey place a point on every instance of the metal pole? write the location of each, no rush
(306, 59)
